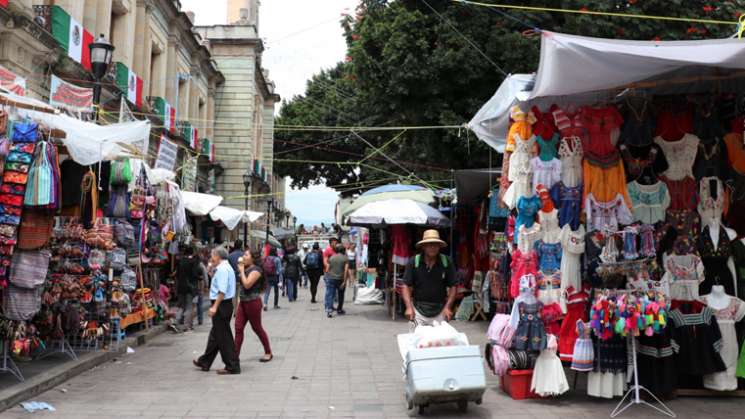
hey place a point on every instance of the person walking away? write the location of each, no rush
(335, 284)
(352, 258)
(203, 283)
(292, 271)
(253, 283)
(302, 253)
(272, 268)
(222, 291)
(235, 253)
(187, 275)
(429, 283)
(314, 267)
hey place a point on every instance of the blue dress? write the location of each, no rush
(530, 334)
(549, 256)
(527, 208)
(569, 202)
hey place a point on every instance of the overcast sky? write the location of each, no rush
(301, 37)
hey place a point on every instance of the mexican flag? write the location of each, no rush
(71, 36)
(167, 113)
(212, 152)
(194, 138)
(128, 82)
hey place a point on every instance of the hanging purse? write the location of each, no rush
(29, 268)
(15, 177)
(121, 173)
(35, 230)
(118, 202)
(25, 132)
(19, 157)
(3, 123)
(12, 189)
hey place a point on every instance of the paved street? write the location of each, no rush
(342, 367)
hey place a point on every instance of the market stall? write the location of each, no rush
(622, 186)
(81, 259)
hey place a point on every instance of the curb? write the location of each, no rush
(59, 374)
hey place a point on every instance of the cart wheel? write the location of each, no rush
(421, 409)
(463, 406)
(479, 401)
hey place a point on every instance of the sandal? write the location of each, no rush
(265, 359)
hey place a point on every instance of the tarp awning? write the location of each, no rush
(583, 70)
(89, 143)
(200, 203)
(474, 184)
(231, 217)
(397, 211)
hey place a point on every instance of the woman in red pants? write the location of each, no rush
(249, 309)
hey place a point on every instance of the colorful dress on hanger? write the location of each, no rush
(716, 270)
(583, 355)
(696, 339)
(639, 159)
(573, 246)
(530, 334)
(569, 202)
(603, 172)
(570, 154)
(648, 202)
(521, 128)
(544, 123)
(522, 264)
(606, 215)
(549, 275)
(520, 172)
(549, 378)
(711, 160)
(608, 377)
(527, 208)
(547, 149)
(546, 173)
(712, 199)
(576, 301)
(683, 276)
(726, 318)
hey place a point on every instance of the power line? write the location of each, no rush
(446, 21)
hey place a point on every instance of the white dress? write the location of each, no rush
(549, 378)
(570, 154)
(606, 384)
(710, 208)
(520, 172)
(680, 156)
(546, 173)
(573, 246)
(726, 318)
(550, 230)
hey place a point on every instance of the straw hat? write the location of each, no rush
(431, 236)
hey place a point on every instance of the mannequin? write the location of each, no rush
(715, 224)
(527, 296)
(728, 311)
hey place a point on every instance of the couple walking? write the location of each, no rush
(222, 292)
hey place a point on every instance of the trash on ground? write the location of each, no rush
(32, 407)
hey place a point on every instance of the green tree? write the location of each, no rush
(411, 63)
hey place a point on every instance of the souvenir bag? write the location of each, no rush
(29, 268)
(118, 202)
(124, 234)
(128, 280)
(89, 199)
(35, 230)
(39, 184)
(4, 150)
(25, 132)
(22, 303)
(117, 259)
(3, 126)
(121, 173)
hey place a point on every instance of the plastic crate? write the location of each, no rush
(516, 383)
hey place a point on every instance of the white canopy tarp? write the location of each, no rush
(200, 203)
(397, 211)
(231, 217)
(583, 70)
(424, 196)
(89, 143)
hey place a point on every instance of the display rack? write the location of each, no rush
(636, 390)
(60, 346)
(8, 365)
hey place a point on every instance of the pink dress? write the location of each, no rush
(522, 264)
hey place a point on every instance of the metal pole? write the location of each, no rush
(97, 98)
(269, 205)
(245, 207)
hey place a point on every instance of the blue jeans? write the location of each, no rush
(333, 289)
(291, 286)
(273, 283)
(200, 308)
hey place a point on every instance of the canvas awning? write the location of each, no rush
(200, 203)
(231, 217)
(397, 211)
(583, 70)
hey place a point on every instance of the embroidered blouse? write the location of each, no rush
(680, 156)
(648, 202)
(711, 199)
(569, 202)
(546, 173)
(527, 207)
(606, 215)
(549, 256)
(683, 274)
(603, 127)
(570, 154)
(547, 148)
(544, 124)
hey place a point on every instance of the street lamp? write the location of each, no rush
(101, 52)
(246, 187)
(269, 205)
(294, 224)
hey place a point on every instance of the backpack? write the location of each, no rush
(269, 266)
(313, 260)
(293, 266)
(443, 259)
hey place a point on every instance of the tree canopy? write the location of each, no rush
(426, 63)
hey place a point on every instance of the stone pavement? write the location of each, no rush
(343, 367)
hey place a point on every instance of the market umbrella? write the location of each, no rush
(261, 235)
(388, 192)
(231, 217)
(398, 211)
(200, 203)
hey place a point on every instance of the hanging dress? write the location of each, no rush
(583, 354)
(520, 172)
(522, 264)
(683, 276)
(569, 201)
(648, 202)
(570, 154)
(573, 246)
(656, 363)
(608, 215)
(549, 378)
(726, 318)
(712, 200)
(527, 208)
(576, 302)
(715, 261)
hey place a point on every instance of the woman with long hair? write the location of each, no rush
(249, 308)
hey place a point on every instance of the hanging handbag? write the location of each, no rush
(124, 234)
(121, 173)
(19, 157)
(15, 178)
(4, 144)
(22, 303)
(25, 132)
(35, 230)
(118, 202)
(117, 259)
(29, 268)
(3, 123)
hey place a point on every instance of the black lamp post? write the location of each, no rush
(294, 224)
(101, 53)
(269, 205)
(246, 187)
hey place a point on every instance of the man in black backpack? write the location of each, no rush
(292, 271)
(314, 267)
(187, 278)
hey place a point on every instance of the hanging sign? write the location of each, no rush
(10, 81)
(67, 95)
(167, 154)
(189, 175)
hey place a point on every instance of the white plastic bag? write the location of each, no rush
(441, 334)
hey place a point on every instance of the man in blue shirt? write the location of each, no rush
(220, 340)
